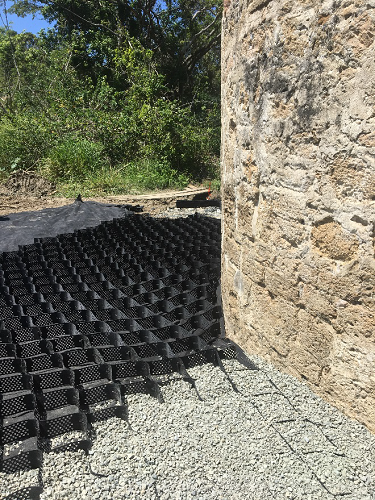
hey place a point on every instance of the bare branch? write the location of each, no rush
(193, 58)
(200, 33)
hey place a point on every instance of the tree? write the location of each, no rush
(114, 83)
(180, 34)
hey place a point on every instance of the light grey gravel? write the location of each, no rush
(255, 434)
(175, 213)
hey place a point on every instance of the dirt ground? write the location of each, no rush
(29, 192)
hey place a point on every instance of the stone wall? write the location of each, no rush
(298, 189)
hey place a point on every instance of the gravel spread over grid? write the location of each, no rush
(241, 434)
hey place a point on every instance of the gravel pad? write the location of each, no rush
(90, 317)
(207, 427)
(220, 441)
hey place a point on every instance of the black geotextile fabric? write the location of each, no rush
(89, 317)
(22, 228)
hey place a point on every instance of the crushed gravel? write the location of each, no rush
(241, 434)
(174, 213)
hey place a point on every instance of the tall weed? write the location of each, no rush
(74, 158)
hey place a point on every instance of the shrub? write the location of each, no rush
(134, 177)
(149, 173)
(74, 158)
(22, 144)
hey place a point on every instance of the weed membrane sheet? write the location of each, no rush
(91, 316)
(22, 228)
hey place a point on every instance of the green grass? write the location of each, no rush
(135, 178)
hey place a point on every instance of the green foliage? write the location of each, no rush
(73, 158)
(22, 142)
(146, 175)
(183, 35)
(110, 99)
(149, 174)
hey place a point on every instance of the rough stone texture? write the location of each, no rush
(298, 189)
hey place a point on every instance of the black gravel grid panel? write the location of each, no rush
(12, 405)
(52, 399)
(90, 316)
(14, 383)
(23, 461)
(99, 393)
(19, 431)
(30, 493)
(61, 425)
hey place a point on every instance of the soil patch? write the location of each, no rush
(27, 183)
(16, 197)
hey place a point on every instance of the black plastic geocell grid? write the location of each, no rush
(88, 317)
